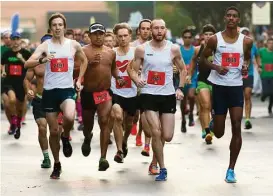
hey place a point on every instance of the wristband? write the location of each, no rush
(41, 60)
(181, 88)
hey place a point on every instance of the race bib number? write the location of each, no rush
(15, 70)
(156, 78)
(268, 67)
(128, 82)
(230, 59)
(59, 65)
(101, 97)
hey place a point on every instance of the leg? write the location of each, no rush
(6, 105)
(236, 114)
(128, 122)
(204, 99)
(183, 105)
(191, 98)
(117, 116)
(248, 106)
(68, 109)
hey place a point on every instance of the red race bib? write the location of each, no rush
(156, 78)
(59, 65)
(268, 67)
(128, 83)
(15, 70)
(230, 59)
(101, 97)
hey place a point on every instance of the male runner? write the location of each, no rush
(36, 97)
(204, 87)
(187, 51)
(248, 80)
(58, 94)
(144, 29)
(267, 73)
(96, 95)
(124, 98)
(13, 92)
(109, 40)
(158, 96)
(232, 52)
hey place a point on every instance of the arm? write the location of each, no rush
(136, 63)
(193, 61)
(207, 52)
(82, 58)
(248, 42)
(180, 64)
(28, 79)
(34, 60)
(114, 68)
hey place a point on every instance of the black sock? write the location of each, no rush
(207, 130)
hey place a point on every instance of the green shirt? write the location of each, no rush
(267, 63)
(4, 49)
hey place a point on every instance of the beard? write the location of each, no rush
(159, 38)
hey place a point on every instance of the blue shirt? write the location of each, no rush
(254, 53)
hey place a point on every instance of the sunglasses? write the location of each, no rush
(97, 27)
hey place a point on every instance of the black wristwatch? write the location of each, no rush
(41, 60)
(181, 88)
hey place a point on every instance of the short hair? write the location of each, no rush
(157, 19)
(85, 32)
(137, 30)
(233, 8)
(109, 34)
(119, 26)
(69, 32)
(142, 21)
(209, 28)
(186, 31)
(54, 16)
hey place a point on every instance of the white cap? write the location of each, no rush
(244, 29)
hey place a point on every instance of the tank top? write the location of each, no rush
(129, 89)
(229, 55)
(187, 56)
(135, 43)
(158, 70)
(203, 71)
(59, 71)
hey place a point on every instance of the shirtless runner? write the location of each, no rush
(96, 94)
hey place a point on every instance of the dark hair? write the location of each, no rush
(119, 26)
(137, 31)
(144, 20)
(54, 16)
(49, 31)
(69, 32)
(270, 39)
(86, 32)
(186, 31)
(208, 28)
(233, 8)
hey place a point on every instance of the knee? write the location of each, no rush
(156, 134)
(218, 134)
(205, 106)
(236, 125)
(12, 101)
(69, 117)
(168, 138)
(117, 114)
(54, 132)
(42, 130)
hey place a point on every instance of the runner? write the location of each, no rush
(248, 80)
(109, 40)
(124, 98)
(58, 94)
(36, 97)
(158, 96)
(204, 87)
(231, 59)
(13, 92)
(187, 51)
(96, 94)
(144, 29)
(267, 73)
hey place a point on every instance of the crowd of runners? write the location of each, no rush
(133, 87)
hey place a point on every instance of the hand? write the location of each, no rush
(244, 70)
(260, 70)
(30, 94)
(97, 58)
(4, 74)
(222, 70)
(188, 79)
(78, 85)
(179, 94)
(121, 81)
(48, 58)
(20, 56)
(140, 83)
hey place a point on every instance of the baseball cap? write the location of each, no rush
(244, 29)
(46, 37)
(97, 27)
(14, 35)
